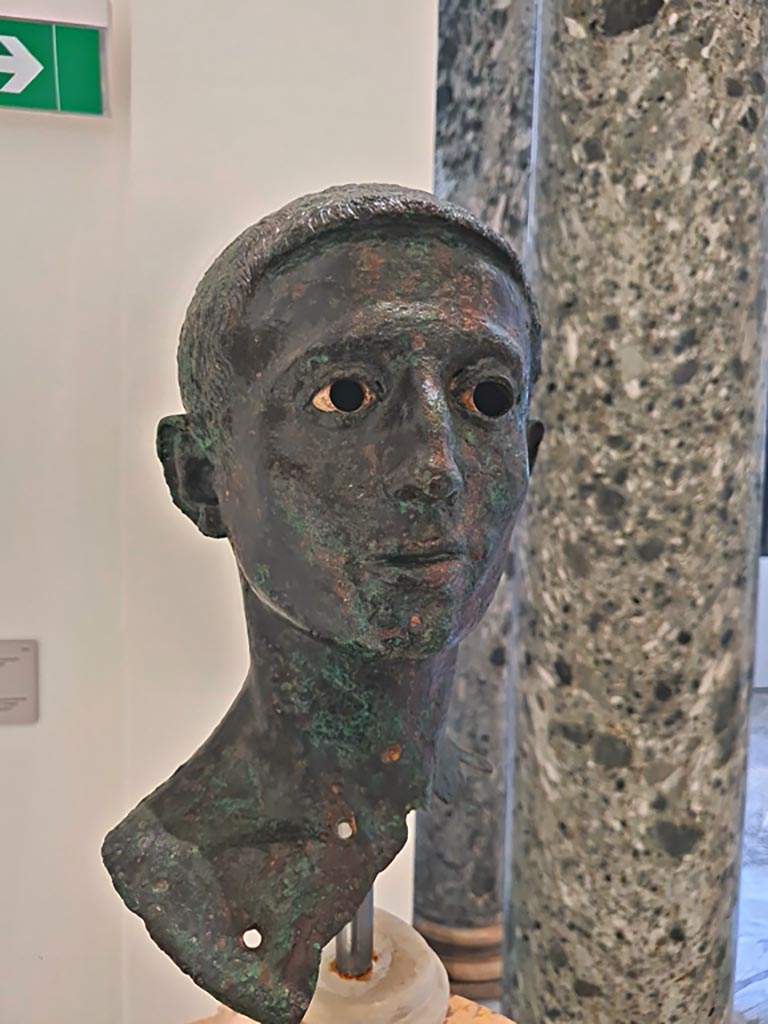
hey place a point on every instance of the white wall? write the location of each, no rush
(235, 108)
(63, 189)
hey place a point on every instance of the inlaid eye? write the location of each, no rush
(491, 398)
(345, 395)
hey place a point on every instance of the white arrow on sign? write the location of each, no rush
(21, 64)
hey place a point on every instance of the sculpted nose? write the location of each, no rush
(430, 484)
(426, 469)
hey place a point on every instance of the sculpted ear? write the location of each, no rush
(189, 474)
(535, 435)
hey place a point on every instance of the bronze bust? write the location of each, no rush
(356, 370)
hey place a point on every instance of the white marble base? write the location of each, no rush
(407, 984)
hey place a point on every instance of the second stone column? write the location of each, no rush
(637, 627)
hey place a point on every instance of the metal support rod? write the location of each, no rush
(354, 943)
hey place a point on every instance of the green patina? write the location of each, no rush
(205, 442)
(260, 576)
(318, 359)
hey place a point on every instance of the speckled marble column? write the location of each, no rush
(484, 102)
(637, 629)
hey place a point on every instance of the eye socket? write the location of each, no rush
(345, 395)
(491, 398)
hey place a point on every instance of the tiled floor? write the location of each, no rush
(752, 963)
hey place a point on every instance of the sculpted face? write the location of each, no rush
(378, 456)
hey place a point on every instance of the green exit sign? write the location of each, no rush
(45, 66)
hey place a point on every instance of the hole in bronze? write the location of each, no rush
(492, 399)
(252, 938)
(347, 395)
(345, 830)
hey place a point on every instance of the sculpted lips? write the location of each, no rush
(415, 556)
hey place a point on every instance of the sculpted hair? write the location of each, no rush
(215, 319)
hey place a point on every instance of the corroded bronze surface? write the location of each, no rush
(356, 373)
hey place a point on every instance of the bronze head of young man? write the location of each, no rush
(356, 371)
